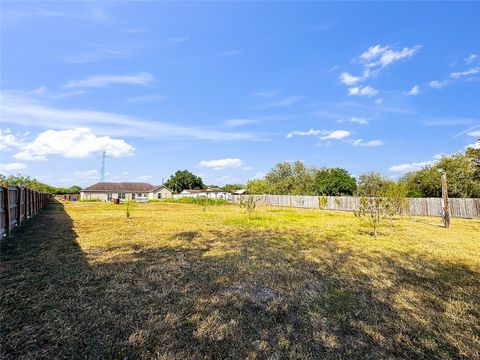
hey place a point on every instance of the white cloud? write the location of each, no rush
(23, 110)
(378, 56)
(8, 140)
(74, 143)
(437, 84)
(373, 52)
(239, 122)
(475, 133)
(310, 132)
(413, 91)
(371, 143)
(357, 120)
(379, 101)
(349, 79)
(471, 58)
(336, 134)
(475, 145)
(219, 164)
(363, 91)
(12, 166)
(471, 71)
(142, 79)
(413, 166)
(87, 174)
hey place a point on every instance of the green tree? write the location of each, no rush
(290, 178)
(258, 187)
(184, 179)
(24, 180)
(232, 187)
(372, 184)
(463, 176)
(334, 182)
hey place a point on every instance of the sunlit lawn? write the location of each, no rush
(177, 282)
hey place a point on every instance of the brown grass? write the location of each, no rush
(175, 282)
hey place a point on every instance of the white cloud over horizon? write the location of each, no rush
(74, 143)
(220, 164)
(12, 166)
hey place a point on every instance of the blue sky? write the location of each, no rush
(226, 90)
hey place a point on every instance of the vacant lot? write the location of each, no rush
(176, 281)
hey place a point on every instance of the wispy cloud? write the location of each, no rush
(437, 84)
(239, 122)
(142, 79)
(471, 58)
(363, 91)
(15, 17)
(325, 134)
(23, 110)
(287, 101)
(376, 58)
(471, 71)
(336, 135)
(311, 132)
(220, 164)
(413, 91)
(356, 120)
(408, 167)
(370, 143)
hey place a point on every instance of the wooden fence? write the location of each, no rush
(17, 205)
(461, 208)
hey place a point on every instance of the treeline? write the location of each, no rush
(22, 180)
(463, 173)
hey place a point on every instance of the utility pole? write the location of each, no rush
(445, 205)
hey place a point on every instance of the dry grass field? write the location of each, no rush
(177, 282)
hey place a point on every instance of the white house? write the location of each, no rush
(210, 193)
(107, 191)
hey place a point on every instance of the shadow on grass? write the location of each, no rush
(248, 294)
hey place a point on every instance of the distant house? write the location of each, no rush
(210, 193)
(137, 191)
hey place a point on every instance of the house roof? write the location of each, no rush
(121, 186)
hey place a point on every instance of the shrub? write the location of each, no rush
(248, 204)
(197, 201)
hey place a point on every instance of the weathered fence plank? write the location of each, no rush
(460, 208)
(17, 204)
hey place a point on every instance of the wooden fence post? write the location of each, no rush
(25, 204)
(446, 206)
(18, 208)
(6, 209)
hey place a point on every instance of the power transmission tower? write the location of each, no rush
(102, 171)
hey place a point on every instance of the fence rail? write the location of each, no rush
(17, 205)
(460, 208)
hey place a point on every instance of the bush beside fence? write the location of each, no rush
(17, 205)
(460, 208)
